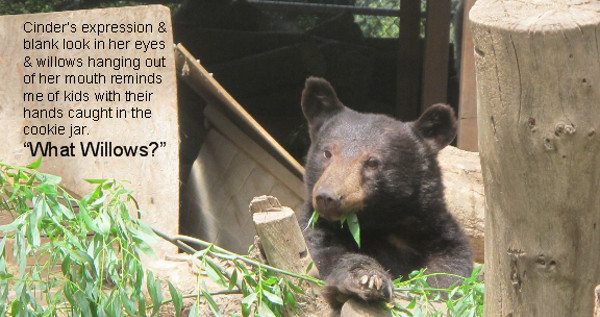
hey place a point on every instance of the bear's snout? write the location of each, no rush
(339, 189)
(327, 203)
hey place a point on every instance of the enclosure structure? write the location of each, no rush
(538, 90)
(237, 160)
(261, 51)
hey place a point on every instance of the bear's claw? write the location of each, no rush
(373, 280)
(368, 282)
(369, 285)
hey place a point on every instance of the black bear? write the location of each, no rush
(386, 172)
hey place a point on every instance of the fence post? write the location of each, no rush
(538, 92)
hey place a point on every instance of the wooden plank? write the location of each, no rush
(408, 93)
(221, 195)
(205, 85)
(287, 196)
(244, 142)
(467, 108)
(232, 169)
(436, 55)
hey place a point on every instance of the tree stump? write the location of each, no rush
(280, 235)
(538, 92)
(284, 247)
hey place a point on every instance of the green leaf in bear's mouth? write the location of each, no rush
(352, 221)
(313, 219)
(350, 218)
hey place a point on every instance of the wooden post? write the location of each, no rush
(435, 60)
(280, 235)
(284, 247)
(409, 61)
(467, 106)
(538, 91)
(597, 301)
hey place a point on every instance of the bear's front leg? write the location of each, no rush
(357, 275)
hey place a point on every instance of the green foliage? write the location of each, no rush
(31, 6)
(83, 257)
(84, 254)
(353, 226)
(266, 290)
(351, 219)
(313, 219)
(379, 26)
(463, 299)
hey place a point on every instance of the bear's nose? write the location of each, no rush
(327, 201)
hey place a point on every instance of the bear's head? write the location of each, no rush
(367, 163)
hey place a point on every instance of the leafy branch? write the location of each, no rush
(84, 255)
(79, 249)
(463, 298)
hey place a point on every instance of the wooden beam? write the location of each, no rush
(190, 70)
(408, 91)
(467, 107)
(436, 55)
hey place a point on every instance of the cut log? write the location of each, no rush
(284, 247)
(280, 235)
(538, 91)
(463, 185)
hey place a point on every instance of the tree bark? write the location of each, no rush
(538, 92)
(280, 235)
(597, 301)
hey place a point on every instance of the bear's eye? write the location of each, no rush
(327, 154)
(372, 163)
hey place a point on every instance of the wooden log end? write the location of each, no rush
(275, 216)
(264, 204)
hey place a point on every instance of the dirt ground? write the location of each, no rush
(182, 271)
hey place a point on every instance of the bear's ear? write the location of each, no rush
(319, 102)
(437, 126)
